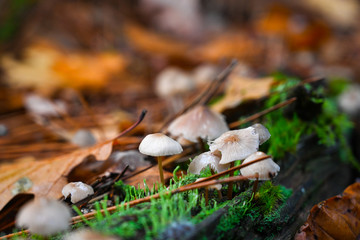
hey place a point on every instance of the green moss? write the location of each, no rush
(330, 126)
(261, 209)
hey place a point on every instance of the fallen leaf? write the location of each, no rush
(48, 176)
(240, 89)
(335, 218)
(152, 43)
(228, 46)
(9, 211)
(45, 67)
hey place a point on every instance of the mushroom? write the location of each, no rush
(83, 138)
(86, 234)
(266, 169)
(44, 216)
(77, 190)
(199, 123)
(236, 144)
(263, 132)
(207, 159)
(205, 73)
(349, 101)
(159, 145)
(173, 83)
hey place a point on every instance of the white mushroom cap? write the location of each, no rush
(236, 144)
(201, 122)
(44, 216)
(158, 144)
(205, 73)
(263, 132)
(349, 100)
(217, 186)
(86, 234)
(267, 169)
(83, 138)
(77, 190)
(206, 159)
(172, 81)
(131, 158)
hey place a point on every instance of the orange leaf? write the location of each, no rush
(47, 176)
(335, 218)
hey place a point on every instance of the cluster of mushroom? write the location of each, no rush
(203, 124)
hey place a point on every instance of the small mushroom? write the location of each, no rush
(86, 234)
(263, 132)
(172, 83)
(236, 144)
(83, 138)
(207, 159)
(200, 122)
(44, 216)
(77, 190)
(131, 158)
(349, 101)
(159, 145)
(267, 169)
(204, 74)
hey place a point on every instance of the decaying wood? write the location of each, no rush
(314, 173)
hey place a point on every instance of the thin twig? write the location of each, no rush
(215, 176)
(91, 113)
(156, 196)
(262, 113)
(205, 96)
(199, 184)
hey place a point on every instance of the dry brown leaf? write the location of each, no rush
(46, 67)
(228, 46)
(149, 42)
(48, 176)
(85, 70)
(240, 89)
(335, 218)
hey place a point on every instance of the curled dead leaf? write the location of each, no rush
(335, 218)
(48, 176)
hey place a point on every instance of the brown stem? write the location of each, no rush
(206, 196)
(201, 143)
(230, 186)
(161, 173)
(141, 117)
(255, 183)
(219, 194)
(262, 113)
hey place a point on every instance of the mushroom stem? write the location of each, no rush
(219, 195)
(255, 183)
(159, 159)
(230, 185)
(206, 196)
(201, 143)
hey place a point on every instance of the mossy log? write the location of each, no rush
(314, 173)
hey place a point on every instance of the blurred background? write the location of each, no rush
(114, 55)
